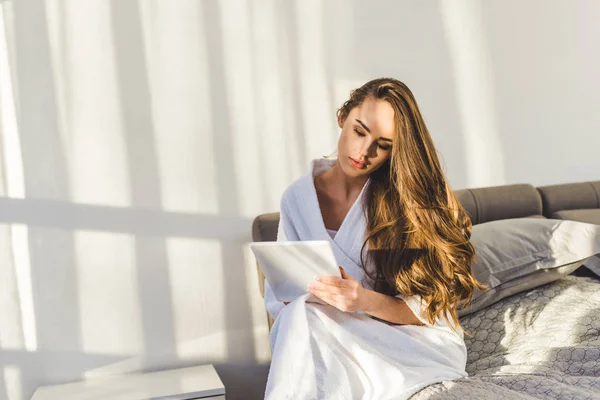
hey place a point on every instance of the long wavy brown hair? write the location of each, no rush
(418, 234)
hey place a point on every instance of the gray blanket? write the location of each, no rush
(539, 344)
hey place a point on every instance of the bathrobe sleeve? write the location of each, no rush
(285, 232)
(417, 306)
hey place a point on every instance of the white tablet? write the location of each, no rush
(290, 266)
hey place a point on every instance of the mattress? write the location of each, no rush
(540, 344)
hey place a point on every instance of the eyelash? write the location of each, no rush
(363, 135)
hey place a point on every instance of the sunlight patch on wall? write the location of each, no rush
(196, 279)
(60, 71)
(474, 82)
(26, 336)
(179, 80)
(255, 103)
(108, 293)
(13, 184)
(319, 122)
(292, 120)
(90, 107)
(239, 72)
(270, 101)
(13, 382)
(11, 330)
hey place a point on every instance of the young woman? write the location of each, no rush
(389, 326)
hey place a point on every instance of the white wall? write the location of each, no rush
(146, 135)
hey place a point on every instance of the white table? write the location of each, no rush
(184, 383)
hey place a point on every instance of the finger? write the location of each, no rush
(332, 280)
(346, 276)
(324, 287)
(327, 297)
(344, 273)
(337, 301)
(318, 294)
(334, 297)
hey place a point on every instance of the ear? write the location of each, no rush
(340, 120)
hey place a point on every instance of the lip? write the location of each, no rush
(356, 164)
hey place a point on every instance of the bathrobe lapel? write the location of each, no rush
(348, 240)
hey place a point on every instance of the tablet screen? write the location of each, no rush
(290, 266)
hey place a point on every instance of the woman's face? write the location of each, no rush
(366, 139)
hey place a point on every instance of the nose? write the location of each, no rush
(365, 148)
(364, 151)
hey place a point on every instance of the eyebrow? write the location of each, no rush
(368, 130)
(363, 125)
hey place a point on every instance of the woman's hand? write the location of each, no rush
(345, 293)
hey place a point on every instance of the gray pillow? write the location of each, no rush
(514, 255)
(593, 264)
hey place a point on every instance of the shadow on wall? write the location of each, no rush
(101, 277)
(54, 337)
(183, 122)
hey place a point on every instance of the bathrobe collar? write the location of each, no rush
(350, 237)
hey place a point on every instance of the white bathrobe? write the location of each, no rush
(320, 352)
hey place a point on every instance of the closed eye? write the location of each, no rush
(381, 146)
(359, 133)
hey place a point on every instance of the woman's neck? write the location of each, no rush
(335, 180)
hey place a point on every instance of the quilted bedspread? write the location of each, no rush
(539, 344)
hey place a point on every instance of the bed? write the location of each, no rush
(541, 343)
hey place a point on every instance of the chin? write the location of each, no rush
(349, 170)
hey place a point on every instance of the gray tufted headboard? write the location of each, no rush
(576, 201)
(482, 205)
